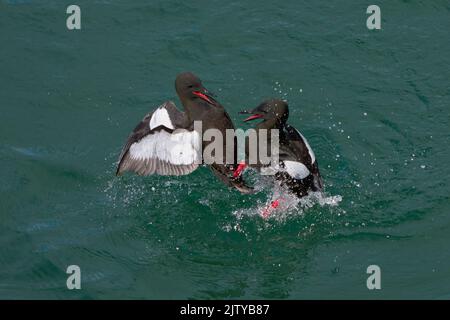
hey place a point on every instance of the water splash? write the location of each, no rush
(280, 205)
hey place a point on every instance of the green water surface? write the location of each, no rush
(374, 105)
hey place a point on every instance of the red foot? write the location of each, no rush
(273, 205)
(239, 169)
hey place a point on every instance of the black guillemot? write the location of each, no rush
(298, 169)
(165, 141)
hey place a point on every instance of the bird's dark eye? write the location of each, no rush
(191, 86)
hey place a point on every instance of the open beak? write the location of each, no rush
(253, 116)
(205, 95)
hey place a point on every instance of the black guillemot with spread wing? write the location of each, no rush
(165, 141)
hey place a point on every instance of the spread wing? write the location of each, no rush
(160, 145)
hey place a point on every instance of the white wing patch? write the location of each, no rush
(296, 169)
(161, 118)
(311, 152)
(180, 147)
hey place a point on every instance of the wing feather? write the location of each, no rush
(159, 145)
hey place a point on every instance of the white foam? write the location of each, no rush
(289, 205)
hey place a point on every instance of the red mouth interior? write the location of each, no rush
(253, 117)
(202, 96)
